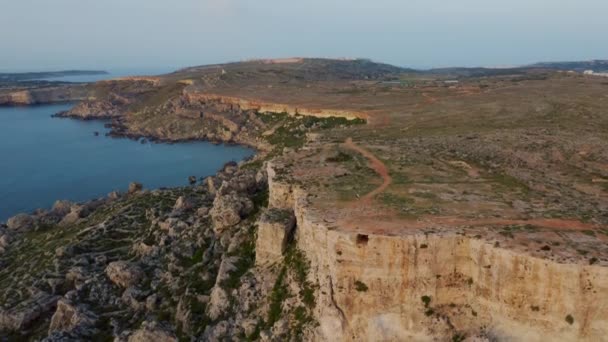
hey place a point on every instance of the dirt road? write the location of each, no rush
(376, 164)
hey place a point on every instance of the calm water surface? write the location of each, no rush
(43, 159)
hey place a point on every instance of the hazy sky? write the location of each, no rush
(59, 34)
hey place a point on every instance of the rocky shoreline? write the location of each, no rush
(144, 265)
(131, 267)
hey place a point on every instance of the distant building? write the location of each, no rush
(593, 73)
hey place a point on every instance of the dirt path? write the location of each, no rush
(376, 164)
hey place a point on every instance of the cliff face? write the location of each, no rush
(44, 95)
(418, 286)
(268, 107)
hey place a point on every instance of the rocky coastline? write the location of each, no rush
(144, 288)
(128, 264)
(412, 227)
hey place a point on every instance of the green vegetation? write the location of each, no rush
(341, 157)
(509, 182)
(246, 260)
(290, 130)
(426, 300)
(279, 293)
(458, 337)
(157, 97)
(296, 267)
(360, 286)
(570, 319)
(297, 262)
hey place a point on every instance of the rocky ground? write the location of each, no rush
(152, 265)
(473, 209)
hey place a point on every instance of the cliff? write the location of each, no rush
(44, 95)
(269, 107)
(421, 286)
(474, 211)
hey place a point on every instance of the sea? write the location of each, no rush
(44, 159)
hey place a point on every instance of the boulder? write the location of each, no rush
(27, 312)
(152, 331)
(228, 210)
(183, 314)
(142, 249)
(20, 222)
(5, 238)
(218, 303)
(124, 274)
(217, 332)
(114, 195)
(230, 167)
(182, 204)
(70, 317)
(133, 297)
(135, 187)
(213, 184)
(202, 211)
(71, 218)
(61, 208)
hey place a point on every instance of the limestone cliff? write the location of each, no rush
(44, 95)
(418, 286)
(269, 107)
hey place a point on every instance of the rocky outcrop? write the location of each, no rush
(5, 239)
(269, 107)
(232, 201)
(152, 331)
(94, 109)
(22, 316)
(280, 192)
(275, 231)
(124, 274)
(135, 187)
(21, 222)
(228, 209)
(70, 317)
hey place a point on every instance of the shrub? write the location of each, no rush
(570, 319)
(360, 286)
(426, 300)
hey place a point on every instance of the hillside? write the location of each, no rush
(595, 65)
(384, 204)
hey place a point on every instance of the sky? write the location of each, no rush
(40, 35)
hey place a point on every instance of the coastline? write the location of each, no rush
(119, 131)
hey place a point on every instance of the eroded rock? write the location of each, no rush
(228, 210)
(275, 231)
(21, 222)
(152, 331)
(135, 187)
(69, 317)
(124, 274)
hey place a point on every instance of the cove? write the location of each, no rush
(43, 159)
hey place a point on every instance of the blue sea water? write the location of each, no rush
(43, 159)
